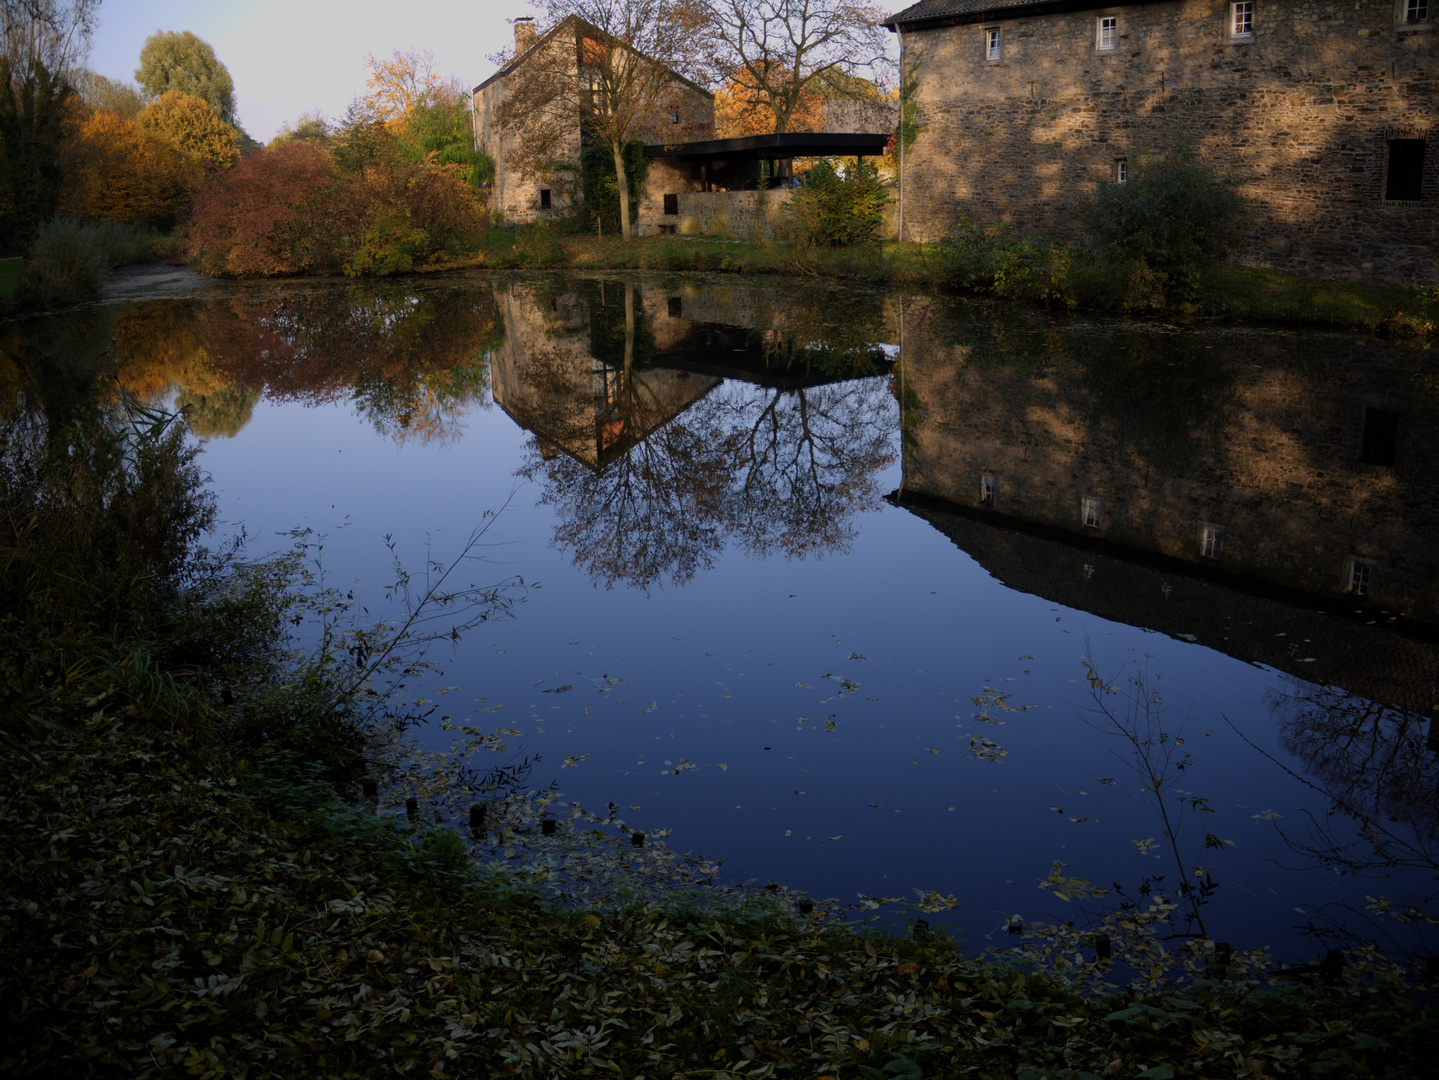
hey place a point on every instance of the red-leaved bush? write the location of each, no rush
(289, 210)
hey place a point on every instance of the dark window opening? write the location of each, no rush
(1404, 174)
(677, 307)
(672, 204)
(1380, 440)
(668, 230)
(674, 116)
(544, 198)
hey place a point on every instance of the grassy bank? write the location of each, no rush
(195, 881)
(1233, 292)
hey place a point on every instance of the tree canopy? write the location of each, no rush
(777, 55)
(190, 123)
(178, 60)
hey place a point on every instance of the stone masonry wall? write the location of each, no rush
(1300, 113)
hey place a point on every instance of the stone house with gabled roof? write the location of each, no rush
(683, 113)
(1326, 111)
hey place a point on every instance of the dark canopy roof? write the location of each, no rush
(791, 144)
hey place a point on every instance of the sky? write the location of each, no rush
(289, 57)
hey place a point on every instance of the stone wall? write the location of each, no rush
(682, 113)
(1300, 113)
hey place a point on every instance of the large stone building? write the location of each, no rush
(684, 111)
(1324, 110)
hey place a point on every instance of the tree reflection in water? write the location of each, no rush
(410, 360)
(685, 464)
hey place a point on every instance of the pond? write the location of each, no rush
(816, 578)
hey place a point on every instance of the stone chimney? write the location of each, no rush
(524, 33)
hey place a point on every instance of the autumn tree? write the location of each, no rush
(406, 81)
(54, 33)
(116, 170)
(604, 68)
(181, 61)
(780, 54)
(109, 95)
(193, 126)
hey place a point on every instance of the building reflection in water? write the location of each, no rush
(671, 422)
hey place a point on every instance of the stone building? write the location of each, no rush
(684, 111)
(1324, 110)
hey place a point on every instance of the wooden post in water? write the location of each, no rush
(412, 809)
(548, 825)
(477, 820)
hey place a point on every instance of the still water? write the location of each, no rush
(813, 574)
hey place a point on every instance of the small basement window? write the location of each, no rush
(1380, 440)
(1360, 578)
(1210, 538)
(544, 198)
(676, 306)
(986, 491)
(672, 204)
(1091, 510)
(1404, 169)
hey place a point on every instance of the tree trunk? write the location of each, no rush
(622, 182)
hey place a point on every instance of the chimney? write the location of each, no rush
(524, 33)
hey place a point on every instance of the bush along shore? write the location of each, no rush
(221, 858)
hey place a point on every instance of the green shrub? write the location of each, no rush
(536, 247)
(599, 187)
(1176, 216)
(1001, 260)
(67, 264)
(125, 244)
(834, 210)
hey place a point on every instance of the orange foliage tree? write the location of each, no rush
(194, 127)
(741, 108)
(115, 170)
(406, 81)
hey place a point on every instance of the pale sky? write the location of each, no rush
(293, 56)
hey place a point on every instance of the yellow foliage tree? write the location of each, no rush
(742, 109)
(395, 87)
(115, 170)
(194, 127)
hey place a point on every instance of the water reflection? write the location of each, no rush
(666, 430)
(411, 360)
(1215, 484)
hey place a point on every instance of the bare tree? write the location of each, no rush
(599, 74)
(777, 50)
(55, 33)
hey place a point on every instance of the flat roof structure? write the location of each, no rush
(792, 144)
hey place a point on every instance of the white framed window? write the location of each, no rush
(1360, 577)
(1414, 12)
(1106, 33)
(1241, 19)
(1121, 171)
(986, 491)
(992, 43)
(1091, 511)
(1211, 538)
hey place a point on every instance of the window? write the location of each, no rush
(1209, 541)
(986, 491)
(1106, 32)
(1404, 169)
(1380, 438)
(991, 43)
(1121, 171)
(1090, 511)
(1241, 19)
(672, 204)
(1361, 576)
(676, 307)
(674, 116)
(1415, 12)
(544, 198)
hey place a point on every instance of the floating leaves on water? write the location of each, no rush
(1266, 815)
(722, 766)
(1145, 846)
(993, 699)
(805, 685)
(573, 761)
(1066, 888)
(684, 765)
(1108, 781)
(985, 749)
(858, 656)
(933, 901)
(559, 689)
